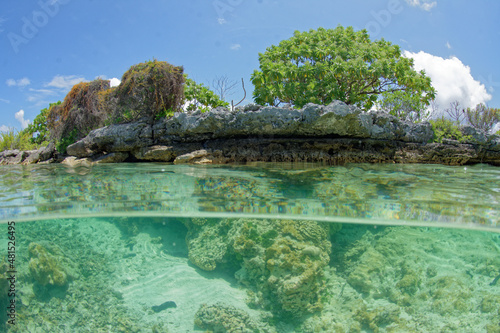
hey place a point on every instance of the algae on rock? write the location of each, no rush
(227, 319)
(45, 267)
(281, 261)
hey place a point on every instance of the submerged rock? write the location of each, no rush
(281, 261)
(221, 318)
(45, 267)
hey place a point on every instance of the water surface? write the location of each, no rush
(253, 248)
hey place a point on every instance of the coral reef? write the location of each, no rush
(281, 261)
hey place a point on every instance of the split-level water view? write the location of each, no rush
(251, 248)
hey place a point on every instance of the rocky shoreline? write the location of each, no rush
(332, 134)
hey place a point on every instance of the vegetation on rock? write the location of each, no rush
(147, 91)
(324, 65)
(78, 114)
(200, 97)
(482, 117)
(38, 129)
(447, 129)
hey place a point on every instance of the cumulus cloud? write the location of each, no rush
(422, 4)
(114, 82)
(4, 128)
(451, 79)
(65, 82)
(18, 83)
(20, 117)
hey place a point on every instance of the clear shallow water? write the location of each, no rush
(426, 195)
(262, 248)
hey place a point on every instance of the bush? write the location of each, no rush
(148, 91)
(447, 129)
(322, 65)
(79, 113)
(13, 139)
(404, 106)
(201, 97)
(482, 117)
(39, 126)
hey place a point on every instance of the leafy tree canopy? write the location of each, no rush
(324, 65)
(201, 97)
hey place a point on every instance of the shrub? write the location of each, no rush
(13, 139)
(482, 117)
(147, 91)
(404, 106)
(200, 97)
(323, 65)
(39, 126)
(447, 129)
(79, 113)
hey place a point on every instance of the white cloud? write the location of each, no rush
(4, 100)
(4, 128)
(221, 21)
(451, 79)
(40, 95)
(422, 4)
(18, 83)
(448, 45)
(114, 82)
(235, 47)
(20, 117)
(65, 82)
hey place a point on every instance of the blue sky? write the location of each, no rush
(49, 45)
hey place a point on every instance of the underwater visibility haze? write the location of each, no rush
(252, 248)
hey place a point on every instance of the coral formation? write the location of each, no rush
(220, 318)
(46, 268)
(207, 241)
(281, 261)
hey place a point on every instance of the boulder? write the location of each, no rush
(156, 153)
(32, 158)
(113, 138)
(46, 153)
(112, 158)
(14, 156)
(198, 157)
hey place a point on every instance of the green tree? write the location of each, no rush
(404, 105)
(39, 126)
(201, 97)
(323, 65)
(482, 117)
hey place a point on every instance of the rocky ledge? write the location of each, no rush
(333, 134)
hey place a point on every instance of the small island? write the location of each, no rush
(317, 100)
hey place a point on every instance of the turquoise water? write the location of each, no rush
(252, 248)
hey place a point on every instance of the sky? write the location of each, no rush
(47, 46)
